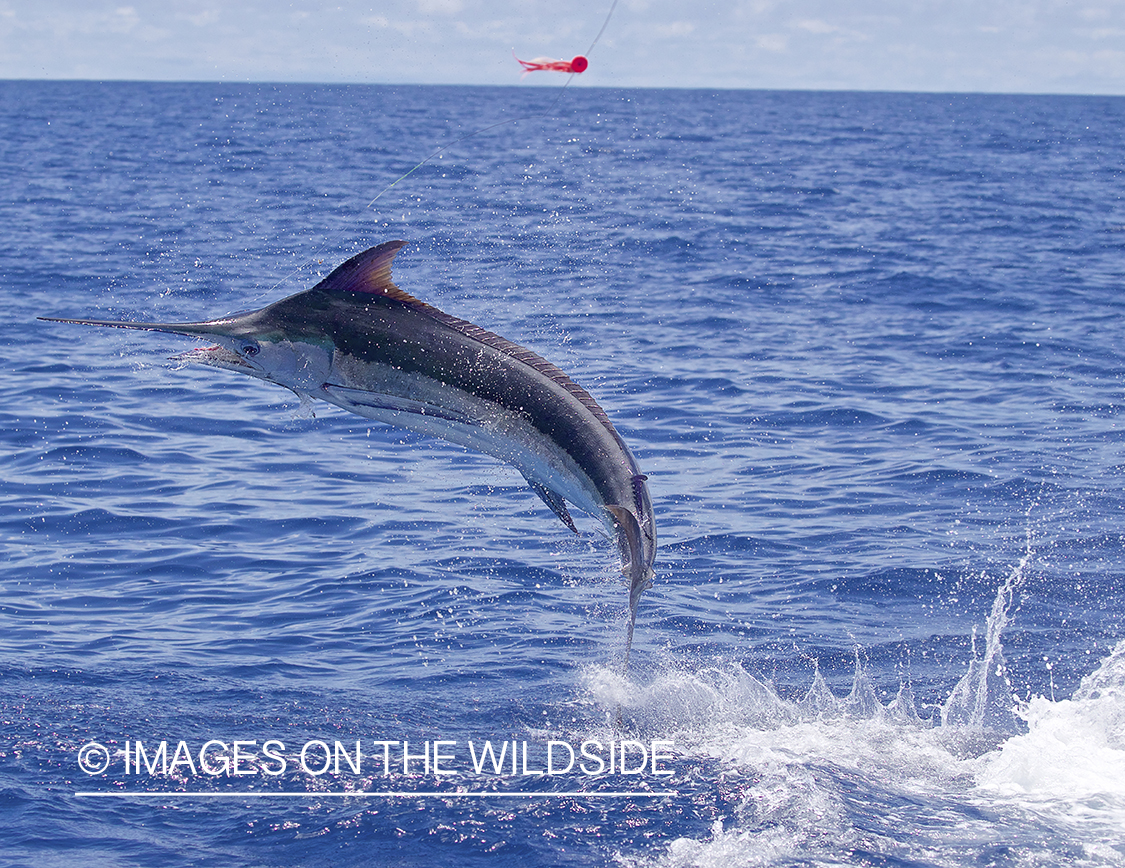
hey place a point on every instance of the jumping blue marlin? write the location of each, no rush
(358, 341)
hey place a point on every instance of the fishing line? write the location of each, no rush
(315, 257)
(540, 116)
(605, 24)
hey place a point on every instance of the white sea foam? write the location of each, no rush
(1071, 761)
(833, 781)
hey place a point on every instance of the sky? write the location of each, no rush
(996, 46)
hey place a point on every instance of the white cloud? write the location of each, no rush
(405, 28)
(1104, 33)
(815, 25)
(1094, 13)
(674, 29)
(124, 18)
(820, 27)
(775, 42)
(440, 7)
(202, 18)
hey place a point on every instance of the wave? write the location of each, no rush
(821, 779)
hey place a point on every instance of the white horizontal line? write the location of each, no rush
(119, 794)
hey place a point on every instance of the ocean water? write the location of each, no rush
(867, 348)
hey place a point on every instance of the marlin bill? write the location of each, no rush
(358, 341)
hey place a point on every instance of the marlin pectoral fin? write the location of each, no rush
(556, 503)
(359, 399)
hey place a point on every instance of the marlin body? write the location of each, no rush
(357, 341)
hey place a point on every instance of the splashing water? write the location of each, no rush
(1071, 761)
(829, 781)
(983, 700)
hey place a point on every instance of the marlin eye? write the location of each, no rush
(249, 349)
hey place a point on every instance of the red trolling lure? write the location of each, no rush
(578, 64)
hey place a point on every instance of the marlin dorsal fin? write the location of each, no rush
(368, 272)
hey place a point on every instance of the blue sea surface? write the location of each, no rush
(867, 348)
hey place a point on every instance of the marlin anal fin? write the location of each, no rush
(556, 503)
(359, 400)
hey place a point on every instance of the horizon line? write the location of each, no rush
(545, 86)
